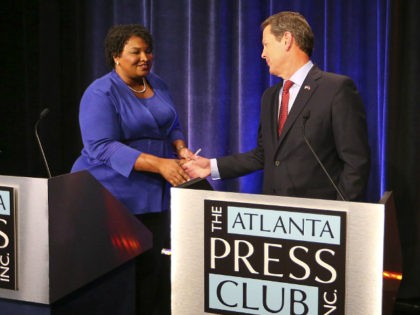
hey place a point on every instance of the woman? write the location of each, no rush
(130, 131)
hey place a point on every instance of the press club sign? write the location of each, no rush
(263, 259)
(7, 239)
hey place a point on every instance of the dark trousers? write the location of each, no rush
(153, 273)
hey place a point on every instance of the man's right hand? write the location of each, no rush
(197, 167)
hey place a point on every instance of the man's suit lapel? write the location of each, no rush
(308, 87)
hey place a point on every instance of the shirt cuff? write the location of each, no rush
(214, 170)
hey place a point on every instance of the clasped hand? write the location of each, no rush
(186, 167)
(196, 166)
(172, 170)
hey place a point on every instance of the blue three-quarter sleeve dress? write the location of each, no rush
(116, 127)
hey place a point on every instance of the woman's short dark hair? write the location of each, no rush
(118, 36)
(294, 23)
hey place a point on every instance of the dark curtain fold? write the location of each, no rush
(404, 137)
(209, 54)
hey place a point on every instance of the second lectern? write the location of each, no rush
(61, 234)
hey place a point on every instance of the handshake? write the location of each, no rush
(195, 165)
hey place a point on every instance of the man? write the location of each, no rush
(324, 107)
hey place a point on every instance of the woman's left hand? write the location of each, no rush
(172, 171)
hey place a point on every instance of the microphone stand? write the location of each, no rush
(44, 112)
(305, 119)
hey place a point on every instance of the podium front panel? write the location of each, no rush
(232, 274)
(32, 239)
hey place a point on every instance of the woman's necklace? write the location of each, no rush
(139, 91)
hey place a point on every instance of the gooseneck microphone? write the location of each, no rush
(305, 117)
(44, 113)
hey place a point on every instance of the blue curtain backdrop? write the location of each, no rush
(209, 53)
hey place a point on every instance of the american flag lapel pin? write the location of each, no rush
(307, 87)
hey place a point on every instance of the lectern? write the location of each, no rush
(59, 235)
(236, 253)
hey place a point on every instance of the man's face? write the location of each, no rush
(273, 51)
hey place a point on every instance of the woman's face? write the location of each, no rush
(135, 60)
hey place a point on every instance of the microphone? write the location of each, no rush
(305, 117)
(44, 113)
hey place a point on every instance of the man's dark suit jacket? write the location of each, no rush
(336, 128)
